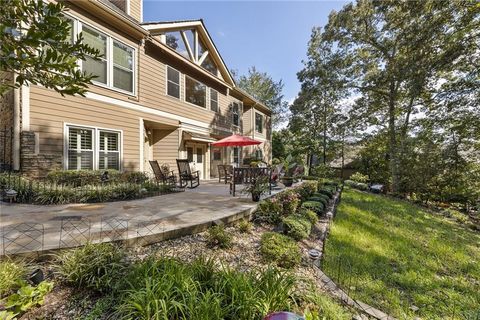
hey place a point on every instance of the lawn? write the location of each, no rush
(398, 257)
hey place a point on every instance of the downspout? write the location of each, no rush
(16, 128)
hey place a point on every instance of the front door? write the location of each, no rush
(196, 157)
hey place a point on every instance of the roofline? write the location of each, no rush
(190, 23)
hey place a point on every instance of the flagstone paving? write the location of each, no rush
(137, 221)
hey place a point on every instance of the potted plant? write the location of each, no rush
(289, 165)
(257, 188)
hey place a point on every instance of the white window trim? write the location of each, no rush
(179, 82)
(240, 112)
(77, 28)
(206, 93)
(95, 139)
(263, 122)
(210, 99)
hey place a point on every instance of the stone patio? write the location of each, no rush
(34, 228)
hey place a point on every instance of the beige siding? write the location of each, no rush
(136, 9)
(165, 147)
(49, 112)
(247, 121)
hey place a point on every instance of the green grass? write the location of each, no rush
(394, 255)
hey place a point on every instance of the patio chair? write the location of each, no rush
(160, 176)
(224, 172)
(276, 174)
(186, 175)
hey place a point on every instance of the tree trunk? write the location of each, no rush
(324, 135)
(392, 135)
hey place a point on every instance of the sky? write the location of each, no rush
(270, 35)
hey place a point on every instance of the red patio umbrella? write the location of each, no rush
(235, 140)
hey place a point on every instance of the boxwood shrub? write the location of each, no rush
(309, 215)
(315, 206)
(280, 249)
(319, 199)
(297, 227)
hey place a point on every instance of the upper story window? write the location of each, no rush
(173, 82)
(236, 110)
(97, 41)
(189, 44)
(213, 100)
(258, 122)
(116, 66)
(195, 92)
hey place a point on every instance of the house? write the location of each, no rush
(162, 92)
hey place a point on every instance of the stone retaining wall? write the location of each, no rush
(34, 164)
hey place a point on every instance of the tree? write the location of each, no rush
(36, 46)
(396, 53)
(268, 91)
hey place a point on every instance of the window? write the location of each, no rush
(259, 154)
(116, 65)
(87, 153)
(217, 155)
(236, 114)
(213, 100)
(210, 66)
(195, 92)
(199, 155)
(97, 41)
(109, 151)
(190, 154)
(258, 122)
(173, 82)
(122, 67)
(80, 149)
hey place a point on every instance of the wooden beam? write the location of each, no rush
(202, 58)
(187, 45)
(195, 43)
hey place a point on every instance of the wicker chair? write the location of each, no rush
(160, 176)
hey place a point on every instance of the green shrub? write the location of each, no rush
(319, 199)
(269, 211)
(217, 236)
(280, 249)
(322, 307)
(289, 201)
(358, 177)
(167, 288)
(245, 226)
(309, 215)
(315, 206)
(306, 189)
(326, 191)
(11, 274)
(77, 178)
(94, 266)
(297, 227)
(356, 185)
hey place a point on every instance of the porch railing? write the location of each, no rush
(249, 175)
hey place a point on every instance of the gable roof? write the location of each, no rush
(161, 27)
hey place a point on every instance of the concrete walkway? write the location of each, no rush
(34, 228)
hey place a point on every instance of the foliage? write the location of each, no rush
(322, 307)
(309, 215)
(323, 200)
(104, 305)
(280, 249)
(297, 227)
(306, 189)
(258, 186)
(166, 288)
(94, 266)
(77, 178)
(27, 297)
(245, 226)
(358, 177)
(37, 46)
(262, 86)
(326, 191)
(11, 273)
(324, 171)
(315, 206)
(289, 200)
(218, 237)
(397, 255)
(269, 210)
(356, 185)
